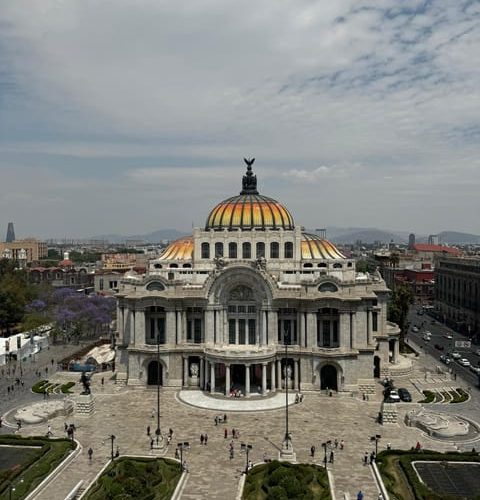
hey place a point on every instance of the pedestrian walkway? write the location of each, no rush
(126, 413)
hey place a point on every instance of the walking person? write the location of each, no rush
(342, 444)
(201, 439)
(90, 453)
(225, 434)
(148, 430)
(205, 439)
(365, 459)
(336, 443)
(331, 457)
(312, 451)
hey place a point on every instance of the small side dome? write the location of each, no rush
(314, 247)
(181, 249)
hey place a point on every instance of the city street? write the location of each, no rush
(440, 343)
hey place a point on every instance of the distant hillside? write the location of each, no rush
(154, 237)
(452, 237)
(367, 236)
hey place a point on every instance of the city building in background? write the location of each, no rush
(457, 294)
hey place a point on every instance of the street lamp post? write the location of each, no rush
(158, 431)
(287, 452)
(183, 446)
(246, 448)
(112, 439)
(325, 446)
(376, 438)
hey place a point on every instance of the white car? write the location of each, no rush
(464, 362)
(415, 329)
(455, 355)
(393, 397)
(448, 336)
(475, 369)
(477, 352)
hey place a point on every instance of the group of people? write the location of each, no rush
(335, 445)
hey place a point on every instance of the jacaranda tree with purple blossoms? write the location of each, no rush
(78, 315)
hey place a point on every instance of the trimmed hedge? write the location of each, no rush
(283, 481)
(34, 470)
(399, 475)
(136, 478)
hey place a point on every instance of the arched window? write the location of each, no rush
(186, 265)
(337, 266)
(232, 250)
(157, 266)
(308, 264)
(246, 251)
(173, 266)
(218, 249)
(205, 250)
(274, 250)
(288, 250)
(155, 286)
(322, 264)
(260, 250)
(328, 287)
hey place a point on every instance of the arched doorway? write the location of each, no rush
(155, 373)
(376, 366)
(328, 378)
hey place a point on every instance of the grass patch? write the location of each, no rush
(65, 388)
(40, 386)
(139, 478)
(36, 467)
(283, 480)
(430, 397)
(461, 396)
(402, 481)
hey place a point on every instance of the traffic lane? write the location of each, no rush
(457, 368)
(438, 329)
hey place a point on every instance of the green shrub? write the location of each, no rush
(65, 388)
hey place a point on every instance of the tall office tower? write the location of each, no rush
(10, 233)
(433, 239)
(411, 240)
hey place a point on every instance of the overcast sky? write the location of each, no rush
(125, 117)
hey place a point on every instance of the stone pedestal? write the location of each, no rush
(193, 381)
(161, 447)
(389, 413)
(84, 404)
(286, 453)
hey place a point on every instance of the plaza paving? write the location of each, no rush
(126, 413)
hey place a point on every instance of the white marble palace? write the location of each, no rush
(249, 303)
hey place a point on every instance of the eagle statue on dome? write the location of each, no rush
(249, 181)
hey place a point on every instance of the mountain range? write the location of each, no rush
(340, 235)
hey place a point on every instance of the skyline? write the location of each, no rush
(126, 117)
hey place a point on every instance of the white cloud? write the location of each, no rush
(382, 95)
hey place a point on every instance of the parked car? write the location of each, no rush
(404, 395)
(448, 336)
(477, 352)
(439, 347)
(427, 337)
(445, 359)
(464, 362)
(475, 369)
(415, 329)
(455, 355)
(392, 397)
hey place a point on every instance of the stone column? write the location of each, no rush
(264, 378)
(396, 351)
(353, 330)
(227, 379)
(208, 326)
(202, 373)
(279, 374)
(183, 334)
(272, 375)
(140, 327)
(170, 327)
(302, 334)
(272, 328)
(247, 380)
(369, 326)
(206, 374)
(185, 371)
(295, 375)
(311, 329)
(212, 377)
(263, 339)
(344, 329)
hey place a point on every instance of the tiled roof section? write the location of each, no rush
(249, 211)
(181, 249)
(314, 247)
(424, 247)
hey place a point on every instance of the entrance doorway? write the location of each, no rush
(376, 367)
(237, 376)
(155, 373)
(328, 378)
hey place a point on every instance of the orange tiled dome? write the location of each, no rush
(314, 247)
(249, 210)
(181, 249)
